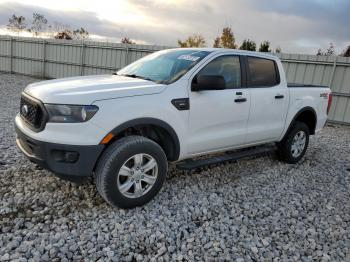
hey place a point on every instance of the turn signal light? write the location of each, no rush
(107, 138)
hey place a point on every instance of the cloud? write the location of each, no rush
(331, 19)
(335, 11)
(295, 25)
(89, 20)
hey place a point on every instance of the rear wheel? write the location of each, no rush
(131, 171)
(293, 146)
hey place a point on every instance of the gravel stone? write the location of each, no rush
(254, 210)
(255, 250)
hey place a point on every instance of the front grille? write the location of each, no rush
(32, 112)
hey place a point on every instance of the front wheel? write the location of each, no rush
(131, 171)
(293, 146)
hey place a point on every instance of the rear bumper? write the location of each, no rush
(67, 160)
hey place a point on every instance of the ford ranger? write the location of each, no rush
(171, 105)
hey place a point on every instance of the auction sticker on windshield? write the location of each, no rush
(188, 57)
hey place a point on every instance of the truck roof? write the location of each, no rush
(235, 51)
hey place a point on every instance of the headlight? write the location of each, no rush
(70, 113)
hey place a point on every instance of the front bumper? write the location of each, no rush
(61, 159)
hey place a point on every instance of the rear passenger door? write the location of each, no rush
(269, 100)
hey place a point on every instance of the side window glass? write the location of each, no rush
(227, 66)
(262, 72)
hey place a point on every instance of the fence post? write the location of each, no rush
(333, 72)
(11, 55)
(82, 58)
(331, 79)
(43, 58)
(116, 61)
(127, 56)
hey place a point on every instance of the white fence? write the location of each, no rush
(50, 58)
(330, 71)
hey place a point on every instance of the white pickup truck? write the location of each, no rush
(168, 106)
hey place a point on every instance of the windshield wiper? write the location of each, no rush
(137, 76)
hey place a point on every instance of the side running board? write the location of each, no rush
(228, 157)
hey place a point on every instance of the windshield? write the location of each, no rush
(164, 67)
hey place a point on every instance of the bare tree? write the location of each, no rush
(193, 41)
(16, 23)
(328, 52)
(216, 42)
(319, 52)
(59, 27)
(66, 34)
(80, 34)
(346, 52)
(39, 23)
(127, 40)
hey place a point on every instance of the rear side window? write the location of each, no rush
(262, 72)
(227, 66)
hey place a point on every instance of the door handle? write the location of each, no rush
(240, 100)
(239, 93)
(279, 96)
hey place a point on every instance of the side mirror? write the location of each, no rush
(208, 82)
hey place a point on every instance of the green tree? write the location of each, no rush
(195, 40)
(226, 40)
(248, 45)
(127, 40)
(38, 24)
(265, 47)
(16, 23)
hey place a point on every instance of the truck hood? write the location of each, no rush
(87, 89)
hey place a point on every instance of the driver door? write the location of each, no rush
(218, 118)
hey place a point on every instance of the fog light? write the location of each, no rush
(65, 156)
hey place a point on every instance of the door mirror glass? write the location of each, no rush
(208, 82)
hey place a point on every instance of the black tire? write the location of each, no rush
(285, 146)
(113, 159)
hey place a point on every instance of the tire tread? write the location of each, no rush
(108, 156)
(284, 146)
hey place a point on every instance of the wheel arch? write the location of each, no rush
(306, 115)
(155, 129)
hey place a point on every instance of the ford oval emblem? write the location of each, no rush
(24, 110)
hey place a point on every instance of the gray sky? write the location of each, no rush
(297, 26)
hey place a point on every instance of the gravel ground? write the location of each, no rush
(254, 210)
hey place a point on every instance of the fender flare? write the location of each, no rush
(304, 109)
(155, 122)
